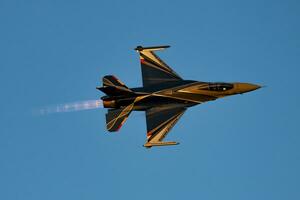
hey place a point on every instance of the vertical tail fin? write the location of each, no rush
(113, 86)
(110, 80)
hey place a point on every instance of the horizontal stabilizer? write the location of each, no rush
(115, 118)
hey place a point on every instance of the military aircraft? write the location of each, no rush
(165, 96)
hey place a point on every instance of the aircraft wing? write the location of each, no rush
(159, 122)
(154, 70)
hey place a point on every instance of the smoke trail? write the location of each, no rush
(71, 107)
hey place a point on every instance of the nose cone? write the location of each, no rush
(246, 87)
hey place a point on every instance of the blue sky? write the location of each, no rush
(240, 147)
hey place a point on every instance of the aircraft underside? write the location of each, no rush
(164, 97)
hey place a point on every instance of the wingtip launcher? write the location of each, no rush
(152, 144)
(153, 48)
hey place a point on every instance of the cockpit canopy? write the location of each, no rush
(219, 86)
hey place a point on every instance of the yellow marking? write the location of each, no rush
(150, 55)
(162, 124)
(171, 122)
(161, 67)
(161, 95)
(124, 112)
(107, 82)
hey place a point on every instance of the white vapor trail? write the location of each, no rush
(71, 107)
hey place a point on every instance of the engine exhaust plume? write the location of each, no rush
(71, 107)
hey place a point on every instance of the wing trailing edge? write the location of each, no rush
(159, 122)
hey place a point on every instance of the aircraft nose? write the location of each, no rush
(247, 87)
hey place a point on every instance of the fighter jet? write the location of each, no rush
(164, 97)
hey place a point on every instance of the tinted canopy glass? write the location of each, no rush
(219, 86)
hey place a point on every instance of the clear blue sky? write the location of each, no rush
(241, 147)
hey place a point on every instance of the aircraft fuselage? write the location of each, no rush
(182, 93)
